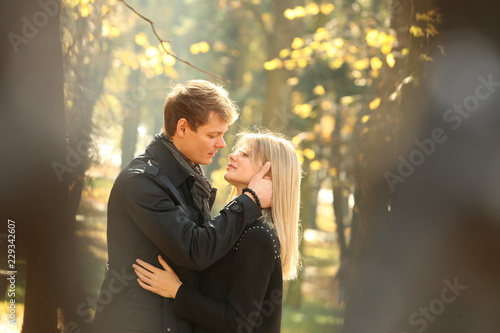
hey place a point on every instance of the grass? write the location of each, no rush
(311, 318)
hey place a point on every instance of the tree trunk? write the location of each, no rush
(277, 94)
(33, 139)
(438, 235)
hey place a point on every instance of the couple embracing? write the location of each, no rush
(192, 272)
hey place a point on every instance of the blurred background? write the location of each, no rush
(365, 89)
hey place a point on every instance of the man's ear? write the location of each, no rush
(182, 125)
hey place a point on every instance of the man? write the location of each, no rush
(160, 205)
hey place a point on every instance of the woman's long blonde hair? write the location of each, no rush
(286, 173)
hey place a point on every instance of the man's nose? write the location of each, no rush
(220, 143)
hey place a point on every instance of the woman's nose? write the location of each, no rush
(232, 157)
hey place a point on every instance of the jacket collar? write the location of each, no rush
(168, 165)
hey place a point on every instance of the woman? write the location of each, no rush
(242, 292)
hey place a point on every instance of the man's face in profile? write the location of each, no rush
(201, 146)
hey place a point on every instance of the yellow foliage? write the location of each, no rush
(247, 77)
(327, 8)
(315, 165)
(327, 126)
(168, 60)
(104, 10)
(354, 28)
(391, 61)
(357, 74)
(273, 64)
(347, 129)
(266, 17)
(431, 30)
(320, 34)
(338, 42)
(284, 53)
(166, 46)
(289, 14)
(430, 16)
(312, 8)
(86, 9)
(330, 50)
(333, 172)
(372, 38)
(297, 43)
(289, 64)
(158, 69)
(346, 100)
(302, 110)
(204, 47)
(152, 52)
(349, 58)
(307, 51)
(425, 57)
(423, 17)
(362, 64)
(201, 47)
(194, 48)
(302, 63)
(337, 63)
(319, 90)
(300, 155)
(365, 119)
(416, 31)
(296, 54)
(375, 103)
(293, 81)
(309, 153)
(374, 73)
(376, 63)
(326, 105)
(386, 49)
(353, 49)
(110, 31)
(300, 11)
(170, 72)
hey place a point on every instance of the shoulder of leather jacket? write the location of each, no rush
(234, 206)
(148, 167)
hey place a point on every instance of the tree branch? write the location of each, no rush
(166, 41)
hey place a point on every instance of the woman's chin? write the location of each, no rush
(227, 178)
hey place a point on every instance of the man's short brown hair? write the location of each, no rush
(194, 101)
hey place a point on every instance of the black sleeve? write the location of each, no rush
(250, 274)
(168, 226)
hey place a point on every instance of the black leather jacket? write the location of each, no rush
(150, 212)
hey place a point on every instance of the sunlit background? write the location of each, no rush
(359, 86)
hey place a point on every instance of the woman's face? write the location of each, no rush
(240, 169)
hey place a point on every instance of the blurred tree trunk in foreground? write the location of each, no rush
(429, 236)
(35, 156)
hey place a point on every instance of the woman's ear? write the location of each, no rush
(269, 174)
